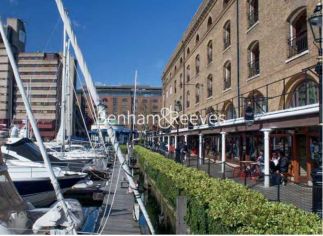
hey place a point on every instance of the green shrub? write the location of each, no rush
(222, 206)
(124, 148)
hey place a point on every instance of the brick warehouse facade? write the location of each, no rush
(253, 52)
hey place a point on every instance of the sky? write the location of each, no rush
(116, 37)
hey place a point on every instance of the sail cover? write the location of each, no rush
(10, 201)
(26, 148)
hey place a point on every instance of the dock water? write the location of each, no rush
(121, 219)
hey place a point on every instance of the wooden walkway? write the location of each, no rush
(120, 220)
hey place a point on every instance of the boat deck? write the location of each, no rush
(120, 220)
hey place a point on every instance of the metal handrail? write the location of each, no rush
(297, 44)
(253, 68)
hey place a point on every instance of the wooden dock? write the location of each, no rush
(120, 220)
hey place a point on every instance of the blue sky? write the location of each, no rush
(116, 36)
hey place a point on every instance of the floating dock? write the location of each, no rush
(121, 218)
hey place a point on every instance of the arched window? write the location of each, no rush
(197, 93)
(188, 99)
(197, 39)
(175, 85)
(230, 112)
(105, 100)
(257, 101)
(209, 22)
(227, 75)
(297, 41)
(175, 69)
(253, 59)
(305, 93)
(209, 52)
(227, 34)
(181, 61)
(188, 73)
(197, 64)
(209, 86)
(252, 12)
(181, 80)
(188, 51)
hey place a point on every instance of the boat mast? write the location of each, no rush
(29, 100)
(69, 98)
(100, 108)
(36, 132)
(61, 132)
(134, 110)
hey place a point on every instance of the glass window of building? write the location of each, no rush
(297, 42)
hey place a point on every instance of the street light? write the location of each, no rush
(315, 22)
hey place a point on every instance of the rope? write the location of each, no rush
(51, 34)
(83, 120)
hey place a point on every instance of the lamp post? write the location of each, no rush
(315, 22)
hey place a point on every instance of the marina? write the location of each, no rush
(228, 143)
(38, 174)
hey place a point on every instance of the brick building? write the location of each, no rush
(119, 100)
(260, 54)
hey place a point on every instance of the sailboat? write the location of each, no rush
(102, 120)
(60, 217)
(61, 148)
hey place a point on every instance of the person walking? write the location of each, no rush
(274, 168)
(283, 167)
(184, 151)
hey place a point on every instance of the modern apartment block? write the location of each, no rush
(17, 36)
(42, 77)
(251, 53)
(119, 100)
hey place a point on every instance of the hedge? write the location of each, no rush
(218, 206)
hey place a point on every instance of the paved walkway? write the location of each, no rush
(298, 195)
(120, 220)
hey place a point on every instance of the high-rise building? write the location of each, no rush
(16, 35)
(41, 74)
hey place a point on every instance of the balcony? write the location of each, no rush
(297, 44)
(253, 68)
(227, 83)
